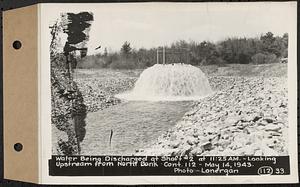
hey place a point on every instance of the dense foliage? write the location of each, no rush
(265, 49)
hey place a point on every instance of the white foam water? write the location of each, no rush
(169, 82)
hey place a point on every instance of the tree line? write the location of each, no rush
(261, 50)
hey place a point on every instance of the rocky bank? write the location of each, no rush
(244, 116)
(99, 87)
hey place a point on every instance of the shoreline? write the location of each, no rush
(237, 120)
(221, 127)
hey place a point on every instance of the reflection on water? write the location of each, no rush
(134, 125)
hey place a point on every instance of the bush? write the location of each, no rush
(123, 64)
(261, 58)
(95, 61)
(271, 58)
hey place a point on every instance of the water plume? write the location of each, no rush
(169, 82)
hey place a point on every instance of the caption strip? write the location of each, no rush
(168, 165)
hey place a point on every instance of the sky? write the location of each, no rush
(156, 24)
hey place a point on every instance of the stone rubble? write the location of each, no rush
(247, 116)
(98, 92)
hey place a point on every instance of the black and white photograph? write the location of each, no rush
(159, 83)
(171, 79)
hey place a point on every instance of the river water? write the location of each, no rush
(133, 125)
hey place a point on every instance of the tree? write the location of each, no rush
(105, 52)
(126, 49)
(268, 43)
(285, 40)
(275, 45)
(179, 44)
(208, 53)
(230, 51)
(268, 38)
